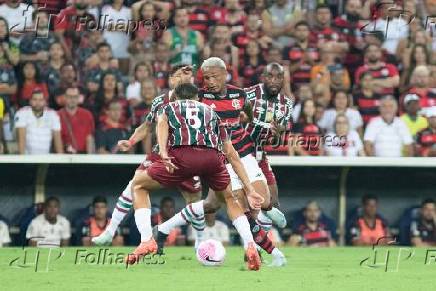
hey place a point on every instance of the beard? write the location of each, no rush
(372, 60)
(353, 17)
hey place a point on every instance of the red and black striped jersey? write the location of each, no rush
(199, 20)
(427, 96)
(311, 237)
(229, 107)
(326, 34)
(192, 123)
(265, 111)
(383, 72)
(425, 140)
(367, 106)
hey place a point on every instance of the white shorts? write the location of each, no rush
(253, 171)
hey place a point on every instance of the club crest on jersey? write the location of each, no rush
(236, 103)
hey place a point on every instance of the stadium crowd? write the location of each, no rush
(78, 75)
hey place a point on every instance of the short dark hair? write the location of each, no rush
(186, 91)
(166, 199)
(66, 64)
(103, 44)
(175, 68)
(367, 197)
(322, 6)
(302, 23)
(427, 201)
(99, 199)
(51, 199)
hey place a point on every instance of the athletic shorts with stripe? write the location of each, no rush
(207, 163)
(253, 171)
(192, 185)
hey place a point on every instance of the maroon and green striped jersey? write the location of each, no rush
(193, 123)
(265, 111)
(156, 106)
(229, 107)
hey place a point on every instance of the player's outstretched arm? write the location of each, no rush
(139, 134)
(254, 199)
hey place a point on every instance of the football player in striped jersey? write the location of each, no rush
(193, 141)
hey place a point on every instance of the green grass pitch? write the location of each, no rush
(307, 269)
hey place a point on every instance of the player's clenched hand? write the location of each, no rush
(254, 199)
(168, 163)
(124, 145)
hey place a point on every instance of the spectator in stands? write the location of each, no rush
(214, 229)
(19, 17)
(423, 229)
(278, 21)
(34, 46)
(350, 25)
(37, 126)
(324, 32)
(51, 71)
(96, 223)
(5, 238)
(8, 81)
(111, 130)
(329, 66)
(49, 227)
(421, 86)
(29, 81)
(252, 64)
(252, 31)
(369, 228)
(103, 62)
(414, 121)
(304, 92)
(365, 99)
(77, 125)
(418, 36)
(86, 52)
(142, 72)
(161, 67)
(302, 56)
(307, 138)
(274, 54)
(418, 56)
(385, 76)
(68, 29)
(426, 138)
(343, 141)
(233, 16)
(312, 232)
(117, 17)
(67, 78)
(386, 135)
(107, 92)
(341, 104)
(10, 50)
(185, 44)
(167, 210)
(389, 21)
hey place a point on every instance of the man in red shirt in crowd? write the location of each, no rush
(77, 125)
(324, 31)
(386, 77)
(71, 23)
(420, 85)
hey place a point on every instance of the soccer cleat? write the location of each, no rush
(144, 248)
(279, 260)
(161, 238)
(253, 259)
(277, 217)
(104, 239)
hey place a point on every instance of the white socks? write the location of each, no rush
(243, 227)
(173, 222)
(123, 206)
(143, 223)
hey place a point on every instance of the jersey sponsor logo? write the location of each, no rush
(234, 95)
(208, 95)
(236, 103)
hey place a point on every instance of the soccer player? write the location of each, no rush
(272, 113)
(190, 189)
(228, 101)
(195, 137)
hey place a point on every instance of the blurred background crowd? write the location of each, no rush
(78, 75)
